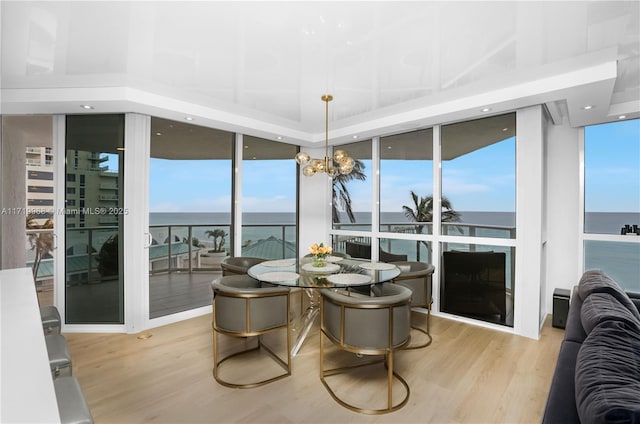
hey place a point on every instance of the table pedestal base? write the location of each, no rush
(303, 324)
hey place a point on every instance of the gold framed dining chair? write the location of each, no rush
(244, 309)
(374, 325)
(417, 276)
(238, 265)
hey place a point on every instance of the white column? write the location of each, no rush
(315, 207)
(59, 222)
(237, 197)
(563, 223)
(136, 221)
(529, 212)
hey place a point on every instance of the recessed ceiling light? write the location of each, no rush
(389, 147)
(622, 116)
(246, 147)
(120, 149)
(354, 137)
(188, 118)
(505, 129)
(86, 107)
(279, 137)
(486, 109)
(587, 107)
(158, 133)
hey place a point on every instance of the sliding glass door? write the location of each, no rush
(190, 224)
(94, 282)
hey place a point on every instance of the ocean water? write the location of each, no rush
(621, 261)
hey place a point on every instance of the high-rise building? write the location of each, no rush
(39, 182)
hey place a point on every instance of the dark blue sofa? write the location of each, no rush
(597, 376)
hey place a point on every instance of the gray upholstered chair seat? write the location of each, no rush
(72, 405)
(50, 317)
(59, 356)
(417, 276)
(242, 308)
(376, 325)
(238, 264)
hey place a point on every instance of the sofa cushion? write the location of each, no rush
(600, 307)
(596, 281)
(574, 331)
(561, 401)
(607, 375)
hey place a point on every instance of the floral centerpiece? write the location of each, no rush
(320, 253)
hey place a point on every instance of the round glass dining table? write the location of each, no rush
(337, 273)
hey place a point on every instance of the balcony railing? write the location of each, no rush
(448, 228)
(188, 248)
(418, 250)
(171, 248)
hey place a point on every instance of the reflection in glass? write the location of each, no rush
(94, 224)
(351, 200)
(413, 250)
(406, 170)
(478, 176)
(477, 282)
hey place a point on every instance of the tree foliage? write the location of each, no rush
(341, 197)
(40, 241)
(219, 238)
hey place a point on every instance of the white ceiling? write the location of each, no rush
(261, 67)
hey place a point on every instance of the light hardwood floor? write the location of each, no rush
(468, 375)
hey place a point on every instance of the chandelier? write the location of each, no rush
(340, 163)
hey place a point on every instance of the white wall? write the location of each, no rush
(563, 210)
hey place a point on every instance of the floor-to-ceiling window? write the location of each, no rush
(190, 220)
(406, 193)
(478, 202)
(94, 219)
(476, 208)
(612, 201)
(269, 188)
(351, 201)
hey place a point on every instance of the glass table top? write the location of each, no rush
(337, 272)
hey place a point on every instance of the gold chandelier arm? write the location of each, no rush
(339, 163)
(326, 99)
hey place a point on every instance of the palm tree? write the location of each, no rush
(422, 212)
(218, 237)
(41, 241)
(341, 195)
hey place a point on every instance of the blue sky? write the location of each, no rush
(483, 180)
(612, 158)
